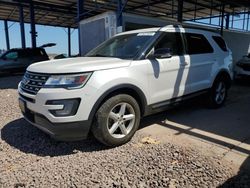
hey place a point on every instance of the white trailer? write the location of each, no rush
(97, 29)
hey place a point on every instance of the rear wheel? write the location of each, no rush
(117, 120)
(218, 93)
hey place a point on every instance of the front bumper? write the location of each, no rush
(66, 128)
(59, 131)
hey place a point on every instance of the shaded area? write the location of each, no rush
(28, 139)
(243, 81)
(242, 179)
(10, 81)
(228, 126)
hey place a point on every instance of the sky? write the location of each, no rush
(58, 35)
(46, 34)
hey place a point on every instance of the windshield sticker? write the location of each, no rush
(145, 34)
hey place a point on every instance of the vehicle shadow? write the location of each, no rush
(227, 127)
(10, 81)
(243, 81)
(28, 139)
(242, 179)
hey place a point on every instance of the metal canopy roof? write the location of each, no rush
(64, 13)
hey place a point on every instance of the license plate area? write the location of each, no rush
(22, 105)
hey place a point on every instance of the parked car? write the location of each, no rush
(243, 66)
(61, 56)
(131, 75)
(18, 59)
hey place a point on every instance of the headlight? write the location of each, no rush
(71, 81)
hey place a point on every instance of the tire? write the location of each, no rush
(218, 93)
(117, 120)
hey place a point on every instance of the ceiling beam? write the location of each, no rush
(38, 6)
(148, 4)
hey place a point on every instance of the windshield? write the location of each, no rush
(122, 46)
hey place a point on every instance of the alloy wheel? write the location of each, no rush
(220, 92)
(121, 120)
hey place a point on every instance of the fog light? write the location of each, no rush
(70, 107)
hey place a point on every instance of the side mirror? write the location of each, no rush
(161, 53)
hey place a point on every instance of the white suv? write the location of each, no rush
(132, 75)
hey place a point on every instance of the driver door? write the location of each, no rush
(167, 76)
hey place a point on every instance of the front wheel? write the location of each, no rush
(117, 120)
(218, 93)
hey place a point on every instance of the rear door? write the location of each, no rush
(200, 59)
(30, 56)
(25, 57)
(39, 54)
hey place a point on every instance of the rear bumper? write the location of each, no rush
(59, 131)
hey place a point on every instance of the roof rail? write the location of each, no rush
(192, 26)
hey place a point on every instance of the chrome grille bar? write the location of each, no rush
(33, 82)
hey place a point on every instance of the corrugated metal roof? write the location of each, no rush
(64, 13)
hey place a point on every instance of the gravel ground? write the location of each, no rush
(29, 158)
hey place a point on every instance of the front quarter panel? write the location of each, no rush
(107, 79)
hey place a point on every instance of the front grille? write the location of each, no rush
(33, 82)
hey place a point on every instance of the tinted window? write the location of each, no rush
(172, 41)
(221, 43)
(11, 55)
(197, 44)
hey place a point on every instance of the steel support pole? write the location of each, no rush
(80, 10)
(227, 21)
(180, 9)
(244, 19)
(232, 24)
(248, 19)
(211, 12)
(32, 25)
(69, 41)
(195, 10)
(22, 29)
(119, 13)
(6, 28)
(172, 8)
(222, 19)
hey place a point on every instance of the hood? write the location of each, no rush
(76, 65)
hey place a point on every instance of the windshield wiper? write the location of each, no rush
(98, 55)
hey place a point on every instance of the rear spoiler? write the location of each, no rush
(48, 45)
